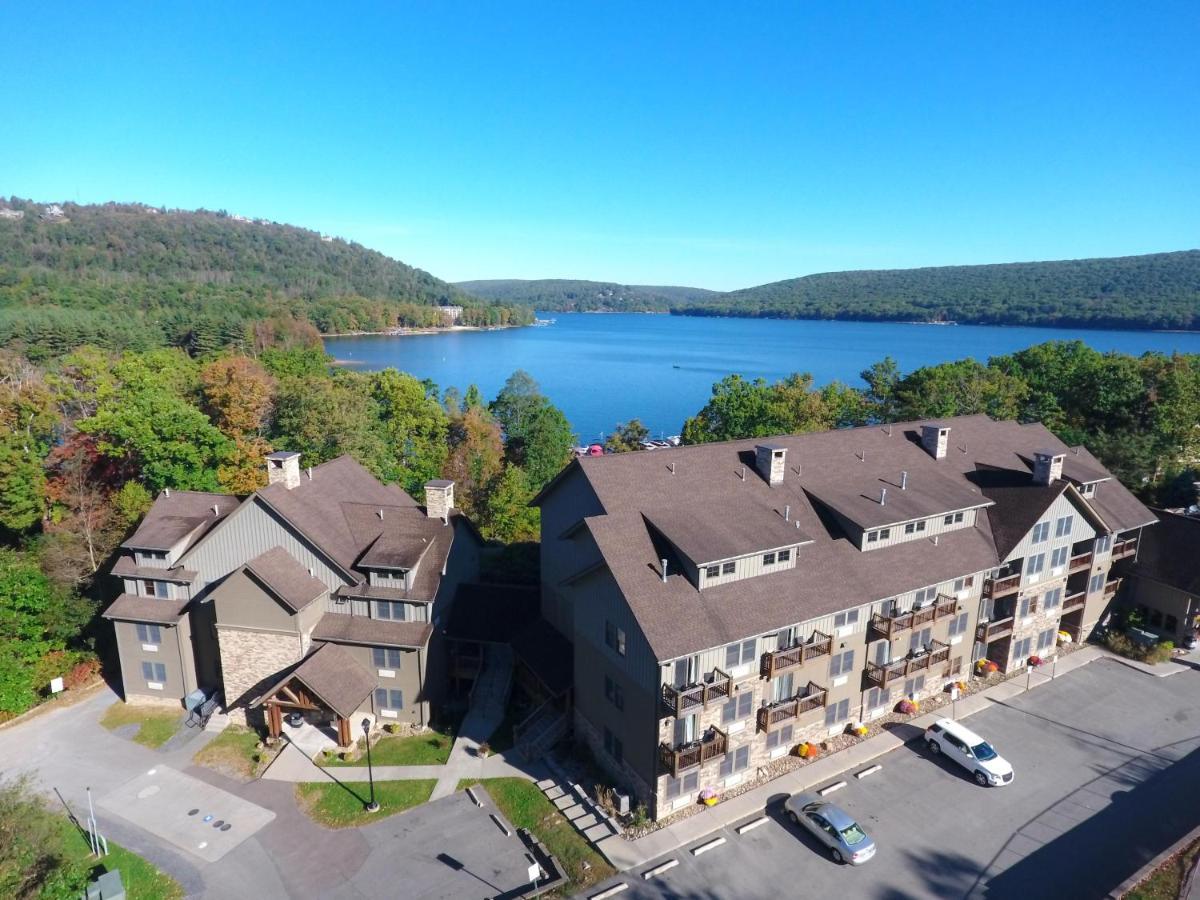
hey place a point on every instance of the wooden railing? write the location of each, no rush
(1111, 587)
(1074, 601)
(681, 701)
(776, 661)
(1082, 561)
(792, 708)
(996, 587)
(884, 674)
(695, 753)
(889, 626)
(990, 631)
(1124, 548)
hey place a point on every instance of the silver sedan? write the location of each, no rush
(832, 826)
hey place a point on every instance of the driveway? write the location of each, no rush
(1107, 772)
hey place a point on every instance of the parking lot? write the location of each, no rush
(1107, 776)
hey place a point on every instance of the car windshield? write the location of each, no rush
(983, 751)
(852, 835)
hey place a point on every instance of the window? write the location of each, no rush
(1041, 532)
(1059, 557)
(1024, 607)
(841, 663)
(613, 693)
(919, 640)
(1087, 490)
(1035, 564)
(913, 527)
(676, 786)
(390, 609)
(842, 619)
(154, 672)
(728, 568)
(389, 699)
(925, 596)
(1063, 526)
(958, 625)
(962, 584)
(1021, 650)
(877, 697)
(768, 559)
(152, 588)
(735, 761)
(1170, 623)
(1103, 543)
(1052, 599)
(1096, 583)
(1046, 639)
(953, 519)
(738, 708)
(885, 533)
(712, 572)
(612, 745)
(614, 637)
(780, 737)
(914, 686)
(785, 556)
(872, 537)
(385, 657)
(149, 634)
(742, 652)
(837, 712)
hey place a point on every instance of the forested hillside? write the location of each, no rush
(130, 276)
(585, 296)
(1160, 290)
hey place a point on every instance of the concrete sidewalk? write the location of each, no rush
(626, 854)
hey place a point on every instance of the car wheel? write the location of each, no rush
(795, 818)
(981, 779)
(836, 854)
(934, 747)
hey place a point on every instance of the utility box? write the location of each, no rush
(107, 887)
(623, 804)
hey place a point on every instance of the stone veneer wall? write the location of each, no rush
(252, 658)
(621, 772)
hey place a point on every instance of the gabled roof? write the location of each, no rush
(1167, 553)
(340, 628)
(131, 608)
(177, 514)
(706, 535)
(283, 576)
(126, 567)
(1018, 504)
(334, 677)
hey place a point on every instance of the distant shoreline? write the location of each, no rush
(409, 332)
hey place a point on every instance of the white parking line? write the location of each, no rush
(750, 826)
(837, 786)
(658, 870)
(704, 848)
(474, 799)
(869, 771)
(500, 824)
(611, 892)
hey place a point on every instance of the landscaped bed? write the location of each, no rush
(522, 804)
(1167, 880)
(237, 752)
(431, 748)
(155, 724)
(337, 805)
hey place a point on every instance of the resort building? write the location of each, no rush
(1163, 581)
(322, 594)
(728, 601)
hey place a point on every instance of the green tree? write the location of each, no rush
(963, 387)
(537, 436)
(507, 515)
(324, 417)
(628, 436)
(737, 409)
(476, 459)
(22, 485)
(414, 425)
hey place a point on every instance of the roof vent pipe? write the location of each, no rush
(883, 496)
(310, 473)
(167, 491)
(216, 510)
(672, 467)
(664, 569)
(743, 474)
(904, 481)
(787, 513)
(381, 514)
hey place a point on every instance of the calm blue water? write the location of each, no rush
(602, 369)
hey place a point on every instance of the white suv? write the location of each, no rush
(969, 750)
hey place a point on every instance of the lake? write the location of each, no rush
(602, 369)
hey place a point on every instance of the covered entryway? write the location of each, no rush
(328, 686)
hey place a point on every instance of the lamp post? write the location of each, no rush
(372, 806)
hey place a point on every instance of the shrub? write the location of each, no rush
(1122, 645)
(907, 707)
(82, 673)
(807, 751)
(392, 727)
(485, 749)
(1035, 661)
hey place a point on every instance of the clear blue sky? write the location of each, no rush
(720, 145)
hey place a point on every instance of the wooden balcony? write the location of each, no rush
(987, 632)
(774, 662)
(1111, 587)
(1080, 562)
(889, 626)
(1074, 601)
(683, 701)
(793, 708)
(688, 756)
(998, 587)
(883, 675)
(1121, 549)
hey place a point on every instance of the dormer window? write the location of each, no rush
(1088, 490)
(712, 572)
(954, 519)
(914, 527)
(768, 559)
(728, 568)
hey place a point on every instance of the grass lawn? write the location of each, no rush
(157, 724)
(429, 749)
(1167, 880)
(526, 807)
(337, 806)
(234, 752)
(141, 879)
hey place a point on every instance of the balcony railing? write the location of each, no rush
(792, 708)
(991, 631)
(883, 674)
(1111, 587)
(997, 587)
(1121, 549)
(682, 701)
(889, 626)
(1082, 561)
(688, 756)
(1074, 601)
(774, 662)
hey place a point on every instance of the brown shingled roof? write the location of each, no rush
(1167, 552)
(174, 516)
(344, 629)
(333, 675)
(126, 567)
(131, 608)
(286, 578)
(706, 534)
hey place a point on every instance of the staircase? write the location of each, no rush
(570, 798)
(541, 730)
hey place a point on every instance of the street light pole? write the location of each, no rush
(372, 806)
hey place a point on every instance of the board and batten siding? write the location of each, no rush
(749, 566)
(250, 531)
(1081, 530)
(563, 509)
(933, 525)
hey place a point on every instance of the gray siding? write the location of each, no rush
(1081, 530)
(933, 525)
(174, 653)
(242, 602)
(571, 500)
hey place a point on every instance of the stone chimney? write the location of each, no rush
(1047, 466)
(771, 460)
(935, 438)
(284, 466)
(439, 499)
